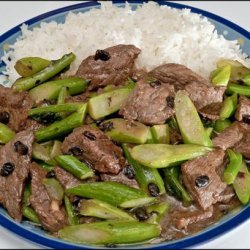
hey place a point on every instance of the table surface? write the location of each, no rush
(13, 13)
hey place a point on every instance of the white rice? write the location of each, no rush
(164, 35)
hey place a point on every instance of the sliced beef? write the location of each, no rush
(150, 103)
(199, 89)
(203, 95)
(184, 219)
(110, 66)
(14, 110)
(94, 147)
(9, 98)
(229, 136)
(123, 177)
(243, 109)
(237, 137)
(211, 111)
(202, 180)
(50, 212)
(15, 158)
(66, 179)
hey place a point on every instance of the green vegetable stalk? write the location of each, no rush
(145, 176)
(164, 155)
(171, 178)
(160, 133)
(229, 106)
(51, 90)
(72, 216)
(28, 66)
(238, 89)
(54, 68)
(54, 188)
(74, 166)
(221, 76)
(232, 169)
(220, 125)
(103, 210)
(62, 127)
(110, 232)
(111, 192)
(189, 122)
(6, 134)
(30, 214)
(157, 211)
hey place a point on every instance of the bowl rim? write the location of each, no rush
(201, 237)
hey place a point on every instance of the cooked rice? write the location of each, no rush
(164, 34)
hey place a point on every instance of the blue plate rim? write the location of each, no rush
(199, 238)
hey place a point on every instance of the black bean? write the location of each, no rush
(89, 135)
(102, 55)
(246, 119)
(76, 151)
(170, 102)
(141, 213)
(129, 172)
(154, 83)
(7, 169)
(20, 148)
(4, 117)
(241, 175)
(106, 126)
(153, 189)
(51, 174)
(46, 118)
(202, 181)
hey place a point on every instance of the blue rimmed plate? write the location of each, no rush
(35, 234)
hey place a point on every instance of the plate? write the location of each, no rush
(29, 232)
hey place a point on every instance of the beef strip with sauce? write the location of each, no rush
(150, 103)
(211, 111)
(50, 211)
(94, 147)
(113, 65)
(14, 109)
(237, 137)
(199, 89)
(243, 109)
(15, 159)
(202, 180)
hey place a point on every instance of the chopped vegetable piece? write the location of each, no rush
(42, 153)
(144, 175)
(246, 79)
(74, 166)
(126, 131)
(110, 232)
(157, 211)
(229, 106)
(63, 94)
(30, 214)
(171, 178)
(68, 107)
(112, 192)
(220, 125)
(232, 169)
(189, 122)
(72, 216)
(109, 102)
(103, 210)
(56, 149)
(238, 89)
(45, 166)
(62, 127)
(54, 188)
(238, 70)
(138, 202)
(242, 184)
(51, 90)
(221, 76)
(26, 195)
(6, 134)
(54, 68)
(163, 155)
(28, 66)
(160, 133)
(209, 131)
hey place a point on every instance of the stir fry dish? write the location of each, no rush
(117, 155)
